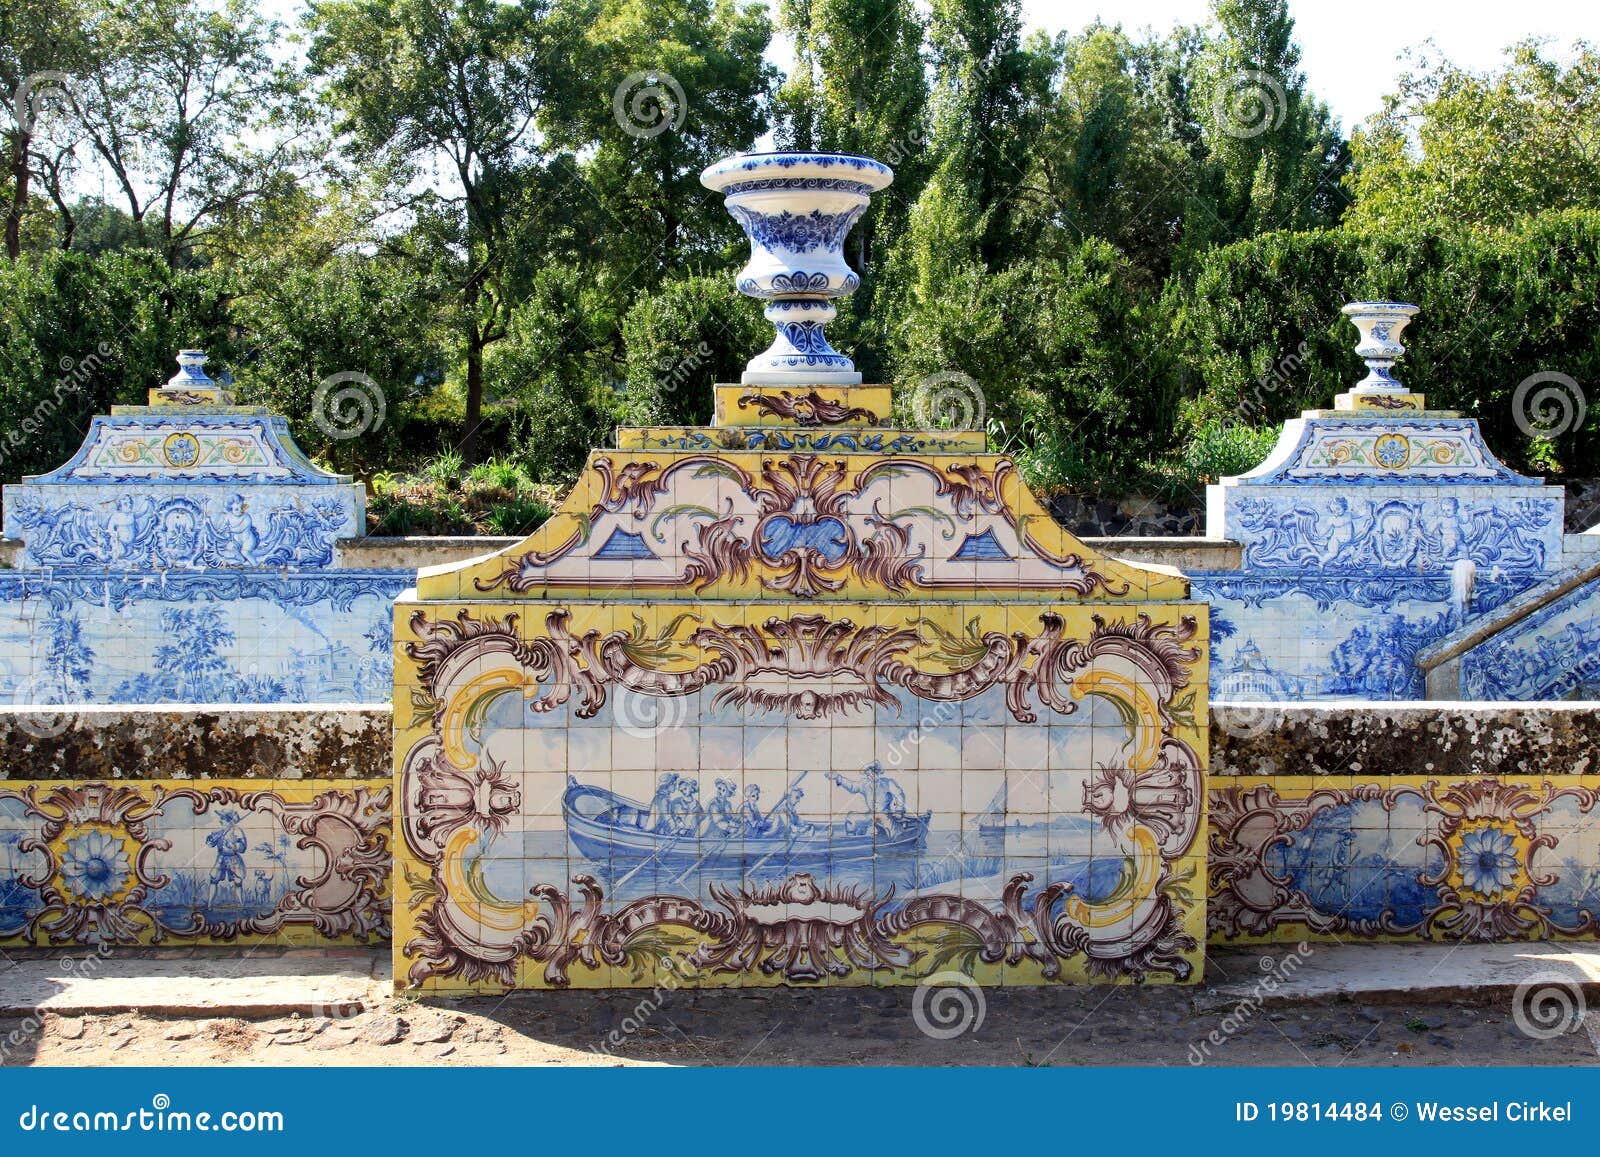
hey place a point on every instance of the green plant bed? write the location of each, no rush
(443, 497)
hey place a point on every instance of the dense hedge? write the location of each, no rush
(1261, 331)
(1096, 385)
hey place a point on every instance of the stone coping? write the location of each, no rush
(1366, 738)
(351, 741)
(1502, 618)
(207, 741)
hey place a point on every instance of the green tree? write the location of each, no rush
(301, 324)
(182, 107)
(1458, 148)
(80, 334)
(41, 46)
(1108, 163)
(1274, 156)
(478, 83)
(675, 85)
(981, 139)
(555, 375)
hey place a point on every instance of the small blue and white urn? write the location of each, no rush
(1380, 324)
(191, 373)
(796, 208)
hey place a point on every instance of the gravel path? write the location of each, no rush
(1060, 1027)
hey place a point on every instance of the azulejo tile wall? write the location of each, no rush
(1435, 858)
(1478, 848)
(194, 862)
(185, 555)
(1367, 537)
(745, 719)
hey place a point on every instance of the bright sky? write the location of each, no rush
(1350, 49)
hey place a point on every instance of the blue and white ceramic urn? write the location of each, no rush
(1380, 323)
(796, 208)
(191, 373)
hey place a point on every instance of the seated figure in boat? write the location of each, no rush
(784, 818)
(755, 823)
(883, 799)
(661, 805)
(687, 814)
(721, 818)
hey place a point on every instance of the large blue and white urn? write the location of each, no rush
(796, 208)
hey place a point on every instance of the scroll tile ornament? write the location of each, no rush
(194, 862)
(750, 712)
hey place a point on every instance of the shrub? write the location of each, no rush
(1262, 330)
(680, 340)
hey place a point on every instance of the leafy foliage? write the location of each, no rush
(1135, 244)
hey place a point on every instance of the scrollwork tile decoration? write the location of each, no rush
(194, 862)
(798, 700)
(1435, 858)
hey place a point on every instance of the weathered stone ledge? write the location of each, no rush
(353, 741)
(196, 742)
(1433, 738)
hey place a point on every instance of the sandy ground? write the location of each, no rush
(1058, 1027)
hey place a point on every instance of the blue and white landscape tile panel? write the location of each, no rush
(186, 555)
(1554, 653)
(234, 637)
(1365, 540)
